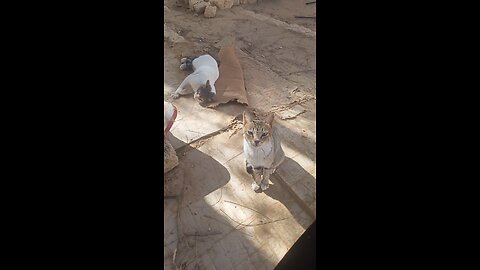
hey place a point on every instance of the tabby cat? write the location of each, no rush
(261, 146)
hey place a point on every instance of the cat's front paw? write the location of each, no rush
(183, 60)
(264, 186)
(183, 66)
(175, 95)
(255, 186)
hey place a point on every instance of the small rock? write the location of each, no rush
(200, 7)
(170, 159)
(210, 11)
(171, 35)
(218, 3)
(228, 4)
(191, 3)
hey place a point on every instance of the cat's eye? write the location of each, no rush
(264, 135)
(250, 133)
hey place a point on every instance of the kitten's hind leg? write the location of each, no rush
(187, 63)
(187, 59)
(249, 168)
(255, 186)
(188, 66)
(257, 178)
(266, 178)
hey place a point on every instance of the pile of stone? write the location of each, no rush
(170, 159)
(209, 7)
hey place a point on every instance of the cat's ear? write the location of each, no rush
(270, 118)
(247, 117)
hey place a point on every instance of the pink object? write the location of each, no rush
(169, 115)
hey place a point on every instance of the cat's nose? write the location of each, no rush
(256, 142)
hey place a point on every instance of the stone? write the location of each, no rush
(170, 159)
(172, 36)
(218, 3)
(200, 7)
(228, 4)
(191, 3)
(210, 11)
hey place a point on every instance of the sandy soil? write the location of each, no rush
(287, 53)
(286, 10)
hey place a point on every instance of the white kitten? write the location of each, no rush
(202, 81)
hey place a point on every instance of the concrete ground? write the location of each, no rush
(213, 220)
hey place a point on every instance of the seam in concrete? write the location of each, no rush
(295, 195)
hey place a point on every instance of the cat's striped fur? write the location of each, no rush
(262, 147)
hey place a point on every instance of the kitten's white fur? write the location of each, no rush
(205, 69)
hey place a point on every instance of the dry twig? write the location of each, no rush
(248, 208)
(202, 234)
(252, 225)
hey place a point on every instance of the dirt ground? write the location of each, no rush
(213, 220)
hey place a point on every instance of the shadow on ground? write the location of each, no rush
(298, 177)
(197, 234)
